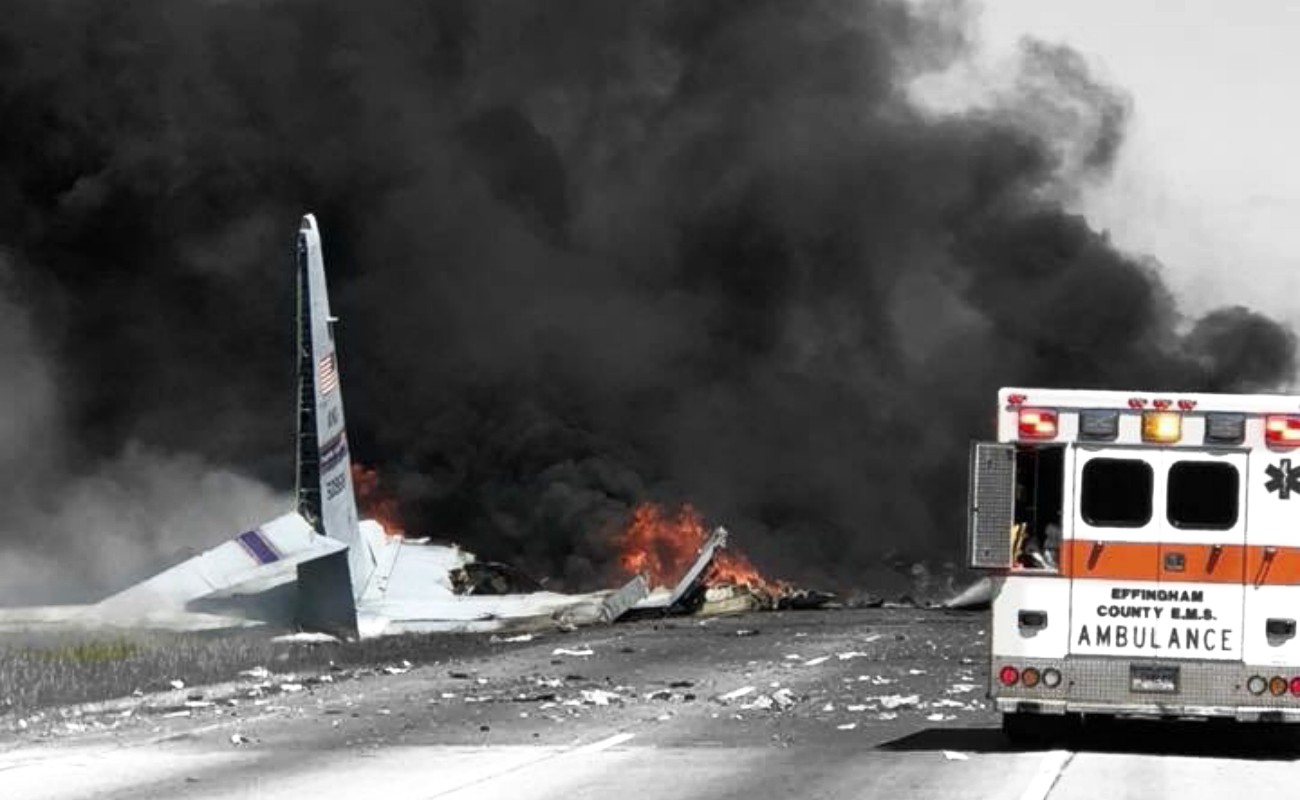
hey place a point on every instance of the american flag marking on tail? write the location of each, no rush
(328, 379)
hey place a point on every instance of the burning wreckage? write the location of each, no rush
(322, 568)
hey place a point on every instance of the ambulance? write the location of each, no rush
(1144, 549)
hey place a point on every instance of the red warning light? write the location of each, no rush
(1009, 675)
(1279, 430)
(1037, 423)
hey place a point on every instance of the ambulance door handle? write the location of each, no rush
(1175, 562)
(1270, 553)
(1094, 554)
(1215, 553)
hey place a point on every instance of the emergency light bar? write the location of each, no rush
(1279, 430)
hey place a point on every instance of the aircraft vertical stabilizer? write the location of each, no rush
(325, 493)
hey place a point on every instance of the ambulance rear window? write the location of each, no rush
(1116, 493)
(1202, 494)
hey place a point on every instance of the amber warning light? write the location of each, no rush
(1037, 423)
(1162, 426)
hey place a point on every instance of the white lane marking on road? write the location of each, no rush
(1049, 772)
(546, 758)
(596, 747)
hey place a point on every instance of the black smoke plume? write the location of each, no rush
(585, 254)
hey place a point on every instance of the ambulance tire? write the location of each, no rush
(1037, 729)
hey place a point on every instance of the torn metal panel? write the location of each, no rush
(688, 594)
(620, 602)
(420, 594)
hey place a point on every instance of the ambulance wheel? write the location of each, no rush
(1035, 729)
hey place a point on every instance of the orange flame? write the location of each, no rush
(374, 502)
(660, 546)
(663, 547)
(730, 566)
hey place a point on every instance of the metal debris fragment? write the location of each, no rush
(899, 701)
(306, 637)
(736, 694)
(568, 651)
(599, 697)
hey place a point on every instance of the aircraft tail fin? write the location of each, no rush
(324, 487)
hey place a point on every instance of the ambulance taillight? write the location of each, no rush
(1282, 430)
(1038, 423)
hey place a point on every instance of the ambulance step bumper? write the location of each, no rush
(1151, 710)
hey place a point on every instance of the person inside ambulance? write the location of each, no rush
(1035, 545)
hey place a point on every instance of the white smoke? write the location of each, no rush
(69, 534)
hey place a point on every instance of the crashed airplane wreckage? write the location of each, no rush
(321, 568)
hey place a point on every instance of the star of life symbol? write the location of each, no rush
(1283, 479)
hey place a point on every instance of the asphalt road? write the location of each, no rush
(830, 704)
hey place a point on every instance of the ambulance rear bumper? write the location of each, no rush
(1150, 710)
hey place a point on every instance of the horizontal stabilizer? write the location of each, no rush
(254, 561)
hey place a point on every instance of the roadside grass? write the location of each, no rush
(40, 670)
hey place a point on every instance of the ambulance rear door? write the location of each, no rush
(1202, 554)
(1156, 562)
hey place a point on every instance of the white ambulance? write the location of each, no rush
(1145, 553)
